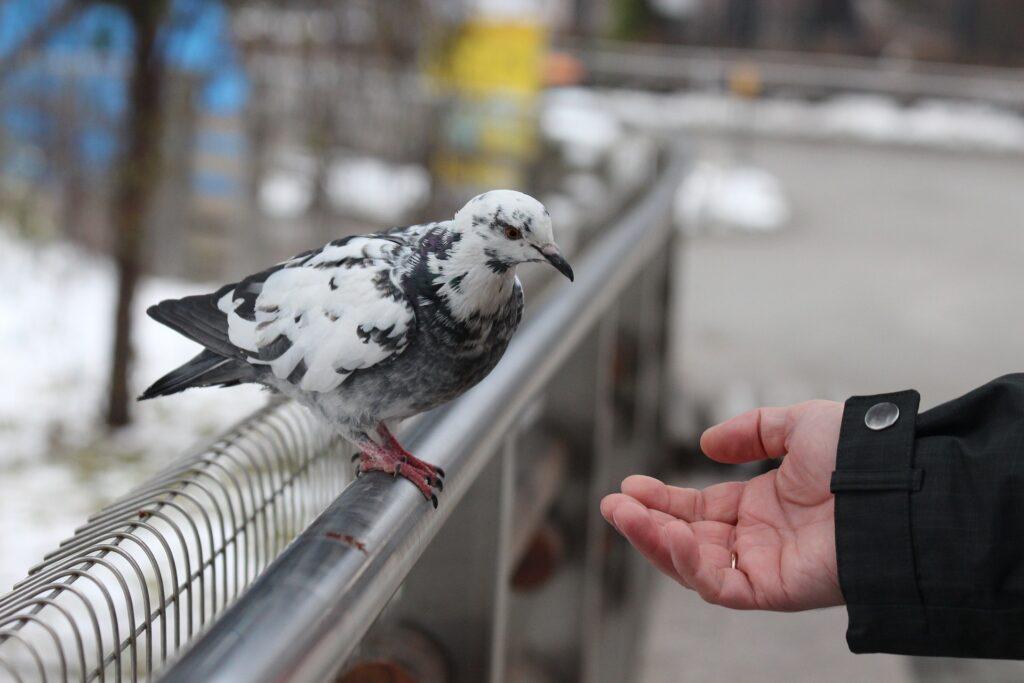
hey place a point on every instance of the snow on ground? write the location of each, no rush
(869, 118)
(589, 124)
(575, 120)
(285, 194)
(373, 189)
(724, 198)
(57, 463)
(386, 193)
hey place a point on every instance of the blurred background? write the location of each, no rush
(851, 222)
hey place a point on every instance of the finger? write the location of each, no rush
(679, 502)
(755, 435)
(610, 502)
(633, 521)
(608, 505)
(708, 569)
(642, 531)
(715, 538)
(722, 501)
(660, 518)
(719, 502)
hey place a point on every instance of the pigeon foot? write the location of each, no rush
(391, 443)
(392, 459)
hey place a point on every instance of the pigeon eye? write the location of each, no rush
(513, 233)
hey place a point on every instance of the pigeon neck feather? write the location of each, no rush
(472, 278)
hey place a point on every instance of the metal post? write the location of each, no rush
(599, 484)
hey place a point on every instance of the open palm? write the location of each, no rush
(767, 543)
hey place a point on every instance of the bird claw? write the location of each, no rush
(425, 477)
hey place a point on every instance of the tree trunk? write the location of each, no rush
(137, 177)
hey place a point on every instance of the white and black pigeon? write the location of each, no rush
(370, 330)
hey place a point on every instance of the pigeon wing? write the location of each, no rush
(321, 316)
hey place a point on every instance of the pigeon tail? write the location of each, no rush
(205, 370)
(199, 319)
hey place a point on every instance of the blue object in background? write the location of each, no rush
(87, 62)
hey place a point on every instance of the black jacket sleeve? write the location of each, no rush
(930, 523)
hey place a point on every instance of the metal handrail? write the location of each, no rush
(676, 66)
(306, 614)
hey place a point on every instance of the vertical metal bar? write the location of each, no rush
(58, 648)
(651, 350)
(145, 605)
(284, 464)
(289, 443)
(72, 624)
(644, 451)
(450, 594)
(506, 507)
(10, 669)
(604, 446)
(268, 495)
(15, 636)
(94, 620)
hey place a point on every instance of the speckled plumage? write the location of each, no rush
(369, 330)
(439, 356)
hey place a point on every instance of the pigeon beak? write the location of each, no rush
(554, 257)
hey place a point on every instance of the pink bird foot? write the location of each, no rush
(389, 457)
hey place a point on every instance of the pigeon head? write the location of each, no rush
(514, 228)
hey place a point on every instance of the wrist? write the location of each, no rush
(873, 483)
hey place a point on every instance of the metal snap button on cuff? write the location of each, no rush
(881, 416)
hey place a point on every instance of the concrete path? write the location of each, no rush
(901, 268)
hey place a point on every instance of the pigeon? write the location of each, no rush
(369, 330)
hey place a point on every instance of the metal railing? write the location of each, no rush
(144, 575)
(469, 591)
(673, 66)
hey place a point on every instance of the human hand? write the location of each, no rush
(780, 525)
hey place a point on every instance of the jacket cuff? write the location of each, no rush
(874, 481)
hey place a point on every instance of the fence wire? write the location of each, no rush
(146, 573)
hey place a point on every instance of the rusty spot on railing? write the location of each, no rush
(348, 540)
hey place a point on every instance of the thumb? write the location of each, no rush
(755, 435)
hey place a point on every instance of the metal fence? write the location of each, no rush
(673, 66)
(514, 575)
(145, 574)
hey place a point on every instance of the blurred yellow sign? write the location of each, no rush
(493, 72)
(489, 57)
(477, 172)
